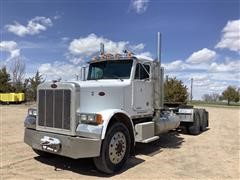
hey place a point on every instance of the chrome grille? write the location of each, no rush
(54, 108)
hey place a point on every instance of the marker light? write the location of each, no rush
(99, 119)
(109, 56)
(118, 56)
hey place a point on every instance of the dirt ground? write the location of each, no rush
(213, 154)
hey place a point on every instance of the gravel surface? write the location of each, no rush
(214, 154)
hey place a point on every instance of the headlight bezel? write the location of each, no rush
(90, 118)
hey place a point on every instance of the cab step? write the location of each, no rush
(154, 138)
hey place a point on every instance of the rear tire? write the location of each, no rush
(195, 128)
(203, 124)
(115, 149)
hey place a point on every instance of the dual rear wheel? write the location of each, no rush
(200, 122)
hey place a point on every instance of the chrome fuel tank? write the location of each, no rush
(166, 122)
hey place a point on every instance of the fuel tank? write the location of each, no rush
(167, 121)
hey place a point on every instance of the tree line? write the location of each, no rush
(230, 94)
(18, 84)
(176, 91)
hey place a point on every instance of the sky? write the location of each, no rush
(200, 38)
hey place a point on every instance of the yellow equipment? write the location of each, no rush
(12, 97)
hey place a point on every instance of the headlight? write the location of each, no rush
(83, 117)
(90, 118)
(32, 112)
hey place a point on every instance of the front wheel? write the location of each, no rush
(115, 149)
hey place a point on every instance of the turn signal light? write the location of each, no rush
(99, 119)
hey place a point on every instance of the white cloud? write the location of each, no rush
(209, 77)
(226, 76)
(82, 49)
(10, 47)
(85, 47)
(231, 36)
(56, 17)
(200, 77)
(65, 39)
(57, 70)
(202, 56)
(205, 82)
(181, 66)
(34, 26)
(230, 66)
(76, 60)
(146, 54)
(177, 65)
(91, 44)
(138, 47)
(140, 6)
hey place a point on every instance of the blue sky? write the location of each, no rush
(200, 39)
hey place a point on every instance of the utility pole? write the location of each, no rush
(159, 44)
(191, 97)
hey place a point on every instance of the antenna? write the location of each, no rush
(159, 46)
(191, 97)
(83, 73)
(101, 48)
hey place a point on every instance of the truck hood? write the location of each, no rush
(99, 95)
(103, 83)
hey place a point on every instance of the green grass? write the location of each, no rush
(215, 104)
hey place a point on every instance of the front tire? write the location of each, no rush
(115, 149)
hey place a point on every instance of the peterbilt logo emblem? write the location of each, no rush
(53, 86)
(101, 93)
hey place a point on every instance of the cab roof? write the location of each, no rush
(112, 58)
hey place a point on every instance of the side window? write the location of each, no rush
(146, 72)
(137, 72)
(142, 71)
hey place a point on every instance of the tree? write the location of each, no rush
(5, 85)
(231, 94)
(175, 91)
(17, 68)
(214, 97)
(31, 86)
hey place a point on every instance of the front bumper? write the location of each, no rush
(73, 147)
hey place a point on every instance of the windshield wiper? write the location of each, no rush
(118, 78)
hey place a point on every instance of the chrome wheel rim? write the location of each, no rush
(117, 148)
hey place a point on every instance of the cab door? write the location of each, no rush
(142, 89)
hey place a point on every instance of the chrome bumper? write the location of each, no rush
(73, 147)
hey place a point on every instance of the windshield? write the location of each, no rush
(112, 69)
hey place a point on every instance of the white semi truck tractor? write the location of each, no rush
(120, 103)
